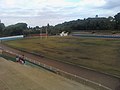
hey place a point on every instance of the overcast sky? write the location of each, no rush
(41, 12)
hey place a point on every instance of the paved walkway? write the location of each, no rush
(103, 79)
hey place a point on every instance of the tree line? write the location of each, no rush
(97, 23)
(90, 24)
(12, 30)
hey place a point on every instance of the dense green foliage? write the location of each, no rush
(117, 21)
(89, 24)
(16, 29)
(96, 23)
(2, 26)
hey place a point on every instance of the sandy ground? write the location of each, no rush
(14, 76)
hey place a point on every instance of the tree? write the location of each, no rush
(16, 29)
(117, 20)
(2, 26)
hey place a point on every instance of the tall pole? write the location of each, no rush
(41, 33)
(46, 32)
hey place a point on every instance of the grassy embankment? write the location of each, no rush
(14, 76)
(100, 54)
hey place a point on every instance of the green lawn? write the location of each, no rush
(99, 54)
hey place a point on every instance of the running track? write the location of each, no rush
(97, 36)
(106, 80)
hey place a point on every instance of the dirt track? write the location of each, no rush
(103, 79)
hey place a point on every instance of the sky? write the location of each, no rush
(42, 12)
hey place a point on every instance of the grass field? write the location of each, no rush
(14, 76)
(99, 54)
